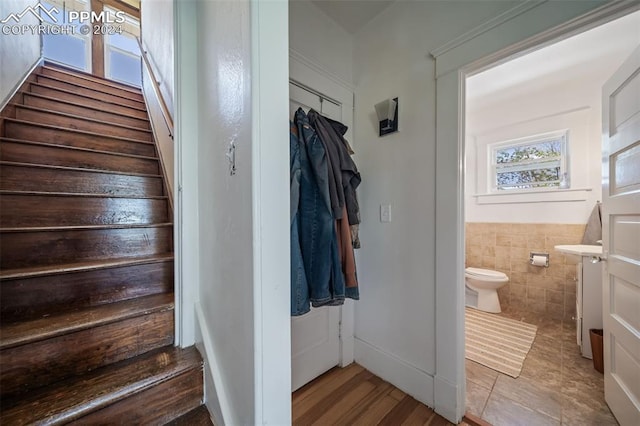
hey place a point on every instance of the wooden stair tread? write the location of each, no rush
(92, 120)
(105, 91)
(81, 195)
(63, 101)
(77, 148)
(92, 78)
(197, 417)
(84, 96)
(78, 169)
(66, 268)
(84, 132)
(84, 227)
(25, 332)
(73, 398)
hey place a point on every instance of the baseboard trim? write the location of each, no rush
(446, 395)
(406, 377)
(216, 399)
(473, 420)
(22, 81)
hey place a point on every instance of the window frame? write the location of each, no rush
(492, 165)
(132, 30)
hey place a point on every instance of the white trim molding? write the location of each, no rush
(270, 202)
(505, 16)
(540, 196)
(219, 407)
(406, 377)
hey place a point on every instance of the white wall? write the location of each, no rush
(411, 269)
(156, 18)
(225, 207)
(320, 39)
(18, 53)
(395, 318)
(557, 87)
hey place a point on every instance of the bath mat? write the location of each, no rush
(496, 342)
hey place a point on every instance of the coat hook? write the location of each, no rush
(231, 157)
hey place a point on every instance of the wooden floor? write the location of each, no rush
(355, 396)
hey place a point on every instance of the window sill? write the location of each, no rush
(535, 196)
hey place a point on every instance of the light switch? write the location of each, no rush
(385, 213)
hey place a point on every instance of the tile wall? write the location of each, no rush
(505, 247)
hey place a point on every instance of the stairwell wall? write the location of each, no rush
(225, 205)
(157, 26)
(18, 52)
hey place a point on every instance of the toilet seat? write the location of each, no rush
(486, 274)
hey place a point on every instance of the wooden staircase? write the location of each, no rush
(86, 261)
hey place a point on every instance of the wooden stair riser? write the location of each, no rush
(23, 249)
(103, 96)
(68, 157)
(9, 111)
(82, 111)
(32, 210)
(157, 405)
(80, 123)
(92, 83)
(88, 101)
(39, 296)
(199, 416)
(40, 363)
(59, 136)
(17, 97)
(45, 179)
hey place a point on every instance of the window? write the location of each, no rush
(72, 49)
(537, 162)
(122, 54)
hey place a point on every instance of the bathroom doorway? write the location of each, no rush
(533, 178)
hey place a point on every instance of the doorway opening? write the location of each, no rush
(526, 191)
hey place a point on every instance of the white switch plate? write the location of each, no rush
(385, 213)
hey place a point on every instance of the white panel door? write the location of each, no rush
(621, 239)
(315, 336)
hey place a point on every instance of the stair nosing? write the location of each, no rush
(78, 117)
(70, 268)
(85, 227)
(81, 195)
(85, 96)
(78, 148)
(63, 329)
(64, 101)
(84, 132)
(78, 169)
(105, 397)
(89, 88)
(96, 79)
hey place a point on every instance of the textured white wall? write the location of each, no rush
(18, 53)
(411, 312)
(157, 37)
(320, 39)
(225, 207)
(396, 313)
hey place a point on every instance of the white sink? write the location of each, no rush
(576, 251)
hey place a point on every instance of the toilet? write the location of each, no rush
(481, 289)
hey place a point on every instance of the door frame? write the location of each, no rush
(310, 75)
(498, 41)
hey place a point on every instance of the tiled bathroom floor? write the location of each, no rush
(557, 386)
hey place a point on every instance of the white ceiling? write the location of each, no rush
(597, 51)
(352, 14)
